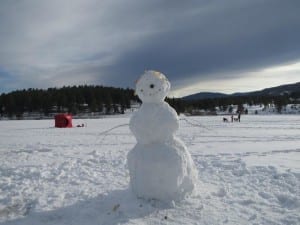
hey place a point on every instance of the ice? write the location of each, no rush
(248, 172)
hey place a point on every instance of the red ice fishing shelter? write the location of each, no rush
(63, 120)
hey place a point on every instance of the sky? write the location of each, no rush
(200, 45)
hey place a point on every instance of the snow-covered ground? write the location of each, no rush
(249, 173)
(269, 109)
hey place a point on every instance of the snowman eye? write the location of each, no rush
(151, 86)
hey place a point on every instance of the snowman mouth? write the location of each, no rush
(153, 93)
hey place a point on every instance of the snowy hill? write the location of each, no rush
(279, 90)
(204, 95)
(273, 91)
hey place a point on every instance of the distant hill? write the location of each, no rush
(204, 95)
(279, 90)
(273, 91)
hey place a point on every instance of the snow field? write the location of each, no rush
(249, 173)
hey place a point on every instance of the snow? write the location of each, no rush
(160, 167)
(248, 173)
(152, 86)
(159, 164)
(268, 109)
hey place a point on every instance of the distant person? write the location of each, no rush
(239, 117)
(231, 118)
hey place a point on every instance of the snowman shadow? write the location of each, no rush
(121, 206)
(116, 207)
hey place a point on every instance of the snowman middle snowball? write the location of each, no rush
(160, 166)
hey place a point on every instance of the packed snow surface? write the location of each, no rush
(248, 172)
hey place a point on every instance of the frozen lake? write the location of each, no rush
(249, 173)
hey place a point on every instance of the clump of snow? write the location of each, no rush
(160, 166)
(152, 86)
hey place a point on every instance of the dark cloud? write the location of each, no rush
(113, 42)
(241, 38)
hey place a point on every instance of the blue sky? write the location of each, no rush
(201, 45)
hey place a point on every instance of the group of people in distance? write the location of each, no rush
(233, 119)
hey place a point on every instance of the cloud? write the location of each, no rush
(235, 39)
(55, 43)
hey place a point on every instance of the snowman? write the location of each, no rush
(160, 167)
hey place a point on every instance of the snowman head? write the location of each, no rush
(152, 86)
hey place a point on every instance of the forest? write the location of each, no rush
(225, 103)
(74, 99)
(111, 100)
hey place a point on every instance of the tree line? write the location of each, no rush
(111, 100)
(225, 103)
(74, 99)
